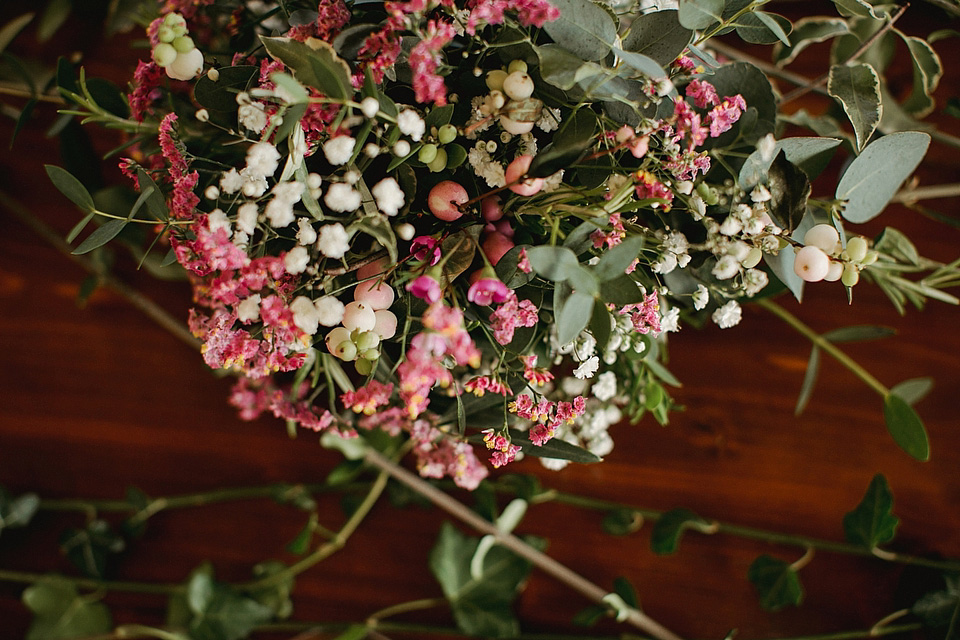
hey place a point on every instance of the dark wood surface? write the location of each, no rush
(100, 398)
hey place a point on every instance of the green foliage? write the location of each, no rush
(807, 31)
(658, 35)
(810, 155)
(584, 29)
(319, 68)
(554, 448)
(754, 86)
(761, 27)
(89, 549)
(10, 30)
(69, 186)
(222, 94)
(906, 427)
(939, 609)
(872, 522)
(857, 88)
(567, 147)
(669, 528)
(573, 316)
(700, 14)
(621, 522)
(211, 610)
(481, 605)
(17, 512)
(872, 179)
(913, 390)
(59, 611)
(776, 582)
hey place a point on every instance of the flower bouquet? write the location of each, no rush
(463, 231)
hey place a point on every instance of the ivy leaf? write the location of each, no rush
(859, 8)
(320, 68)
(658, 35)
(222, 94)
(808, 31)
(857, 87)
(214, 611)
(89, 549)
(590, 616)
(875, 175)
(583, 28)
(301, 544)
(905, 426)
(667, 531)
(872, 521)
(927, 71)
(17, 512)
(776, 582)
(69, 186)
(621, 522)
(277, 595)
(59, 611)
(480, 605)
(937, 609)
(700, 14)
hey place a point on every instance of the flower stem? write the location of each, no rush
(89, 583)
(404, 607)
(826, 345)
(540, 560)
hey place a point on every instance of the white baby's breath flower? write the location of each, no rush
(252, 116)
(587, 368)
(389, 196)
(296, 260)
(701, 297)
(342, 197)
(306, 235)
(728, 315)
(411, 124)
(727, 267)
(280, 213)
(605, 387)
(262, 159)
(370, 106)
(230, 181)
(333, 241)
(670, 321)
(217, 219)
(249, 309)
(549, 119)
(247, 218)
(329, 311)
(338, 149)
(305, 315)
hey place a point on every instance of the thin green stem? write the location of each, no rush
(404, 607)
(824, 344)
(540, 560)
(330, 547)
(749, 533)
(28, 577)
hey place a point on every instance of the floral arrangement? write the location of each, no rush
(465, 230)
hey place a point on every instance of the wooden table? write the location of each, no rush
(99, 398)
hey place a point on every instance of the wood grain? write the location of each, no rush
(99, 398)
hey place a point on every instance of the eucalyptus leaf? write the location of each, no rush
(583, 28)
(700, 14)
(874, 176)
(751, 83)
(10, 30)
(807, 31)
(913, 390)
(59, 611)
(574, 316)
(776, 582)
(552, 263)
(621, 291)
(668, 529)
(872, 521)
(642, 64)
(857, 88)
(100, 236)
(601, 326)
(859, 333)
(658, 35)
(782, 264)
(69, 186)
(905, 426)
(811, 155)
(760, 27)
(789, 191)
(614, 262)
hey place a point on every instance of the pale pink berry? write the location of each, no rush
(491, 208)
(386, 326)
(516, 170)
(811, 264)
(358, 315)
(377, 295)
(445, 198)
(495, 245)
(822, 236)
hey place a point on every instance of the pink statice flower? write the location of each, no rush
(332, 17)
(424, 61)
(529, 12)
(504, 452)
(723, 116)
(426, 288)
(644, 316)
(523, 263)
(511, 314)
(649, 187)
(367, 398)
(253, 397)
(480, 385)
(486, 291)
(610, 238)
(146, 89)
(703, 93)
(533, 374)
